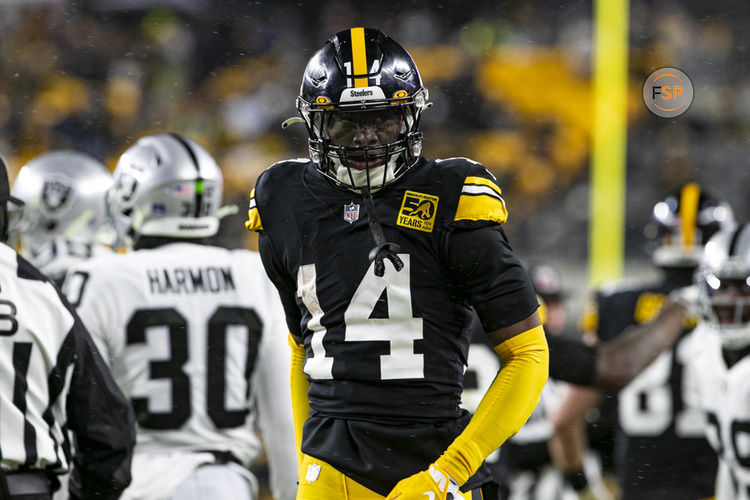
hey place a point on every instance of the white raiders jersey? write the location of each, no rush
(196, 338)
(724, 394)
(647, 406)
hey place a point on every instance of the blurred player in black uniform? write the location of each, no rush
(381, 258)
(54, 383)
(661, 451)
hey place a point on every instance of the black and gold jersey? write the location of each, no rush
(389, 348)
(661, 450)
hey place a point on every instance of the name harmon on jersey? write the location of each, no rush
(191, 280)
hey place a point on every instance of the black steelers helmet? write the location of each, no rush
(361, 79)
(683, 223)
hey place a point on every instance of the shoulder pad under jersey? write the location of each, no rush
(277, 182)
(479, 200)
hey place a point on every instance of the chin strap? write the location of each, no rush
(382, 249)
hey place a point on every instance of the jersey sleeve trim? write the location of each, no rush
(481, 200)
(253, 222)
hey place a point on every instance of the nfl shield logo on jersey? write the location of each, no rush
(351, 212)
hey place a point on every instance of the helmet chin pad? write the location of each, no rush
(374, 178)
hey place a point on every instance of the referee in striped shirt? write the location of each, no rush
(53, 383)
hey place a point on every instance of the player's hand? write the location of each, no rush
(431, 484)
(689, 298)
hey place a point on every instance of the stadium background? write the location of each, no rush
(510, 82)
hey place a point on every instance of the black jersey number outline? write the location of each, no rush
(400, 329)
(172, 368)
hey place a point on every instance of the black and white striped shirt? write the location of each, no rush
(52, 379)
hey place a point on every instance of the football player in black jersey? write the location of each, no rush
(380, 257)
(660, 451)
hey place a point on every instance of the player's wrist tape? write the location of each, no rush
(444, 480)
(577, 479)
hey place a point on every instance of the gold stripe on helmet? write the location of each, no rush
(689, 198)
(359, 56)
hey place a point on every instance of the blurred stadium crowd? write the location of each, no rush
(510, 83)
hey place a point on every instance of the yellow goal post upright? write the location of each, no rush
(609, 136)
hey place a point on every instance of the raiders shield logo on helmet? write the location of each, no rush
(55, 193)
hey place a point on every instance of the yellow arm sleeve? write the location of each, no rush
(505, 406)
(300, 386)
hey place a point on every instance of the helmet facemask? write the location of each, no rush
(728, 307)
(367, 144)
(724, 284)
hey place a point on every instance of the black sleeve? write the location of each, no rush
(492, 279)
(571, 360)
(285, 284)
(102, 422)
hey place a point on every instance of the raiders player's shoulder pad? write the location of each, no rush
(471, 194)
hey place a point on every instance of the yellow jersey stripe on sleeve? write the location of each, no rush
(481, 200)
(253, 222)
(481, 207)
